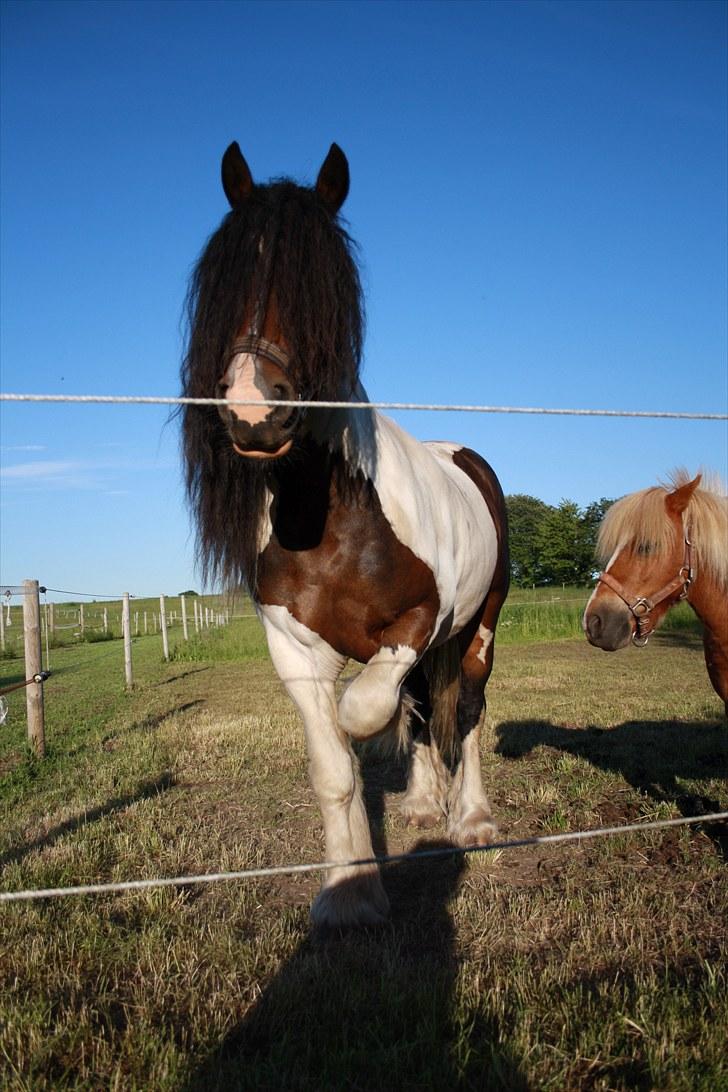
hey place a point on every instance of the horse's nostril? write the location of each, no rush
(594, 625)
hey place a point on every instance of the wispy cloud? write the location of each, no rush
(45, 469)
(101, 475)
(23, 447)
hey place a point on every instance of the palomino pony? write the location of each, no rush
(659, 546)
(354, 540)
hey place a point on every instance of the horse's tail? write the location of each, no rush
(442, 671)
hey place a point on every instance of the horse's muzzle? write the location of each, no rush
(257, 428)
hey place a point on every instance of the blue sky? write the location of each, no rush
(538, 191)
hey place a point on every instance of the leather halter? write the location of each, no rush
(640, 606)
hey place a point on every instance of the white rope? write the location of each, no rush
(432, 407)
(325, 866)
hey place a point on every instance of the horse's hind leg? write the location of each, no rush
(470, 821)
(424, 803)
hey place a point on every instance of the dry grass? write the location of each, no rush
(595, 966)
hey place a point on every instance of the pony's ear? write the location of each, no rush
(237, 181)
(678, 500)
(332, 184)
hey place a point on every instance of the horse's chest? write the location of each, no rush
(349, 579)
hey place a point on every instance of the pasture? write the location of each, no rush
(599, 965)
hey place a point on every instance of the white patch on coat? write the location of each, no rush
(486, 636)
(241, 376)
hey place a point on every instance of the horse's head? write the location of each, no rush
(649, 567)
(275, 353)
(275, 315)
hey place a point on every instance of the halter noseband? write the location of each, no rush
(258, 346)
(640, 606)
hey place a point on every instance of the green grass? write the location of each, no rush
(600, 965)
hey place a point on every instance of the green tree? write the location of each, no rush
(592, 517)
(525, 516)
(559, 544)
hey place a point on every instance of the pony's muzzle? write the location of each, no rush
(607, 627)
(258, 429)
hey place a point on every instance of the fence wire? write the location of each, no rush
(327, 866)
(116, 399)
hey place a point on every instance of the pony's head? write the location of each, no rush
(651, 544)
(275, 315)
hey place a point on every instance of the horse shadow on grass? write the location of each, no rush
(655, 757)
(375, 1007)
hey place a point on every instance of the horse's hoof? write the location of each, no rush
(359, 900)
(424, 814)
(424, 820)
(474, 830)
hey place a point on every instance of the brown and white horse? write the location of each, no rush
(356, 541)
(659, 546)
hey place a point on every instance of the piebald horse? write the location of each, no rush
(355, 541)
(659, 546)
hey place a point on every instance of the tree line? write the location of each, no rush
(553, 545)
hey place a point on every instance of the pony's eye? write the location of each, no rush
(644, 549)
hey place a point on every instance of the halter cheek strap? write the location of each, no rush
(640, 606)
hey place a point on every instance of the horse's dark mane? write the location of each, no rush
(315, 282)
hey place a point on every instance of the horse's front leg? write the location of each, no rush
(309, 668)
(371, 701)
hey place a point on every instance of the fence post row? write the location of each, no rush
(33, 666)
(32, 632)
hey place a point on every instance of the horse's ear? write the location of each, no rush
(678, 500)
(237, 181)
(332, 184)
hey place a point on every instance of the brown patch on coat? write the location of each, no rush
(336, 564)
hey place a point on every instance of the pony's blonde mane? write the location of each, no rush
(640, 519)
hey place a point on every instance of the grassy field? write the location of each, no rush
(595, 966)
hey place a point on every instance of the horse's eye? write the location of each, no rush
(644, 548)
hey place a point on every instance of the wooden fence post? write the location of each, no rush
(183, 605)
(126, 630)
(2, 628)
(33, 666)
(106, 620)
(80, 618)
(163, 626)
